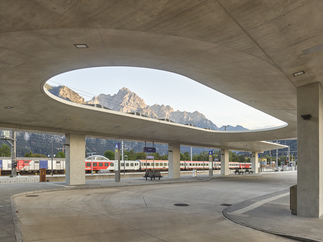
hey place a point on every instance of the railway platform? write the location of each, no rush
(185, 209)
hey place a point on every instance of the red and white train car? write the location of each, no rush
(98, 163)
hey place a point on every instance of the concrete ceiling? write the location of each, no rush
(247, 50)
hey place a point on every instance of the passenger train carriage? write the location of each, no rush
(98, 163)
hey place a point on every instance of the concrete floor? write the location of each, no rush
(132, 211)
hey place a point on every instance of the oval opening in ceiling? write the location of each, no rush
(179, 95)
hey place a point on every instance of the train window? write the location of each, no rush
(95, 164)
(122, 164)
(106, 164)
(88, 164)
(148, 164)
(131, 164)
(127, 164)
(26, 161)
(165, 164)
(100, 164)
(157, 164)
(112, 164)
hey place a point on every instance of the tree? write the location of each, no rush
(233, 156)
(131, 155)
(60, 154)
(140, 156)
(156, 156)
(164, 157)
(5, 150)
(30, 154)
(186, 156)
(109, 154)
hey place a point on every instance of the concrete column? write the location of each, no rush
(174, 156)
(310, 148)
(210, 165)
(75, 159)
(225, 162)
(254, 162)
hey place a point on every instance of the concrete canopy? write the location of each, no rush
(247, 50)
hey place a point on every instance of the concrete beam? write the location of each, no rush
(174, 156)
(75, 159)
(310, 148)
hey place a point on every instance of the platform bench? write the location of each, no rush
(239, 171)
(249, 171)
(152, 175)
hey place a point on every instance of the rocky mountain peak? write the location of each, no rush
(124, 101)
(127, 101)
(67, 94)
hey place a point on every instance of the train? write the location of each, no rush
(101, 164)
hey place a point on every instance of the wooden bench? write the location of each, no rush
(239, 171)
(249, 171)
(152, 175)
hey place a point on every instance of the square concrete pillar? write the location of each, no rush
(174, 156)
(309, 151)
(211, 165)
(225, 162)
(254, 162)
(75, 159)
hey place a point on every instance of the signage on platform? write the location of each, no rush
(117, 147)
(150, 149)
(43, 164)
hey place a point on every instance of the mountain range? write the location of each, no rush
(129, 102)
(124, 101)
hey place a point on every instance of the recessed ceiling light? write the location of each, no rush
(9, 107)
(117, 126)
(299, 73)
(67, 120)
(81, 46)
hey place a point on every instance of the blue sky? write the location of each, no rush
(161, 87)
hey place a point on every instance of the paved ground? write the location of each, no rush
(270, 213)
(6, 215)
(140, 210)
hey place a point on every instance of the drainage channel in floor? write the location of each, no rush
(181, 204)
(226, 204)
